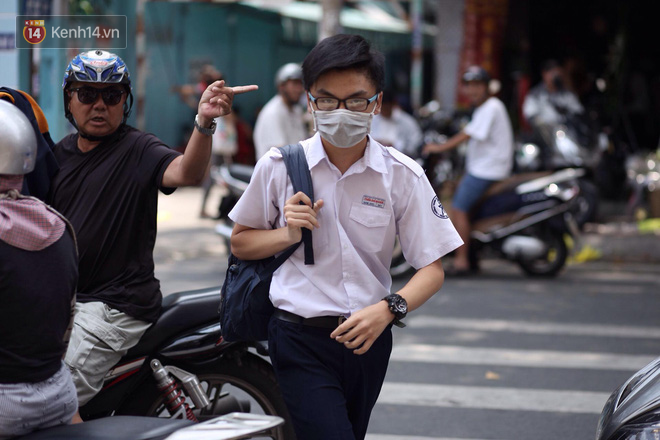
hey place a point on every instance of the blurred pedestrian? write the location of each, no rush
(550, 102)
(281, 121)
(224, 143)
(489, 156)
(395, 127)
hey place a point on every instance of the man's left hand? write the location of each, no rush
(217, 99)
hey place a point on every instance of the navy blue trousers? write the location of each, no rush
(328, 390)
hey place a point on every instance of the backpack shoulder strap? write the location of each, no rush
(301, 179)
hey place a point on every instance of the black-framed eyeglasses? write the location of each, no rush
(89, 95)
(352, 104)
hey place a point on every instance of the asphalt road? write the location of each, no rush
(497, 356)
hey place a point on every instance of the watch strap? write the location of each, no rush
(205, 131)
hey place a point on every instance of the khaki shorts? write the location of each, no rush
(101, 336)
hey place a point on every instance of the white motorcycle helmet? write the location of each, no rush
(18, 143)
(287, 72)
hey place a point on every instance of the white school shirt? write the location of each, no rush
(490, 148)
(382, 194)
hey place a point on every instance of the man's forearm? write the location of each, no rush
(190, 168)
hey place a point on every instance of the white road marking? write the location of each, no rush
(446, 354)
(510, 399)
(543, 328)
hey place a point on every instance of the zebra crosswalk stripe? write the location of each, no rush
(447, 354)
(511, 399)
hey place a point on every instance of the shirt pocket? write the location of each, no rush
(368, 226)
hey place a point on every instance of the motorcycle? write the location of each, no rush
(522, 219)
(632, 411)
(235, 179)
(232, 426)
(643, 177)
(562, 146)
(182, 368)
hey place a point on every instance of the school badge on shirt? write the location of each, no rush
(438, 209)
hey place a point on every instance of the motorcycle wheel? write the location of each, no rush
(587, 203)
(247, 378)
(399, 267)
(553, 260)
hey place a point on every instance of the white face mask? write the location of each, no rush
(342, 128)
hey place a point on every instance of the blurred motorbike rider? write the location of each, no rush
(550, 102)
(38, 274)
(489, 156)
(282, 120)
(107, 186)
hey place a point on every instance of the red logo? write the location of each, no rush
(34, 31)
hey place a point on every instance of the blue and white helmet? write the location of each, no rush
(97, 66)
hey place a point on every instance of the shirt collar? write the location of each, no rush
(373, 156)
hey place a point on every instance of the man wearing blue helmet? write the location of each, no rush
(107, 186)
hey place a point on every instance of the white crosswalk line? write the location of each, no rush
(542, 328)
(446, 354)
(511, 399)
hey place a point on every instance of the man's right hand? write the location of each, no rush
(301, 215)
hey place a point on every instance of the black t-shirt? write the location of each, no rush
(110, 196)
(36, 290)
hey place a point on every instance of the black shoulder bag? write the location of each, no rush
(245, 307)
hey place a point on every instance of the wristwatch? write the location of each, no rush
(205, 131)
(398, 306)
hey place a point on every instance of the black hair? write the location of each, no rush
(549, 65)
(344, 52)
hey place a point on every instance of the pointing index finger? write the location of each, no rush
(243, 89)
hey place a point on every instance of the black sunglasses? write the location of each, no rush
(89, 95)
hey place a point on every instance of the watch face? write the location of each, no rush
(398, 306)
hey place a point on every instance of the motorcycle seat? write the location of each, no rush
(112, 428)
(181, 312)
(511, 182)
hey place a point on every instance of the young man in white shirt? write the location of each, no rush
(489, 156)
(330, 337)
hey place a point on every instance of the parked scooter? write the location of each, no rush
(522, 219)
(633, 410)
(235, 179)
(561, 146)
(232, 426)
(643, 177)
(182, 368)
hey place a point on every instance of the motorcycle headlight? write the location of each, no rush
(639, 432)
